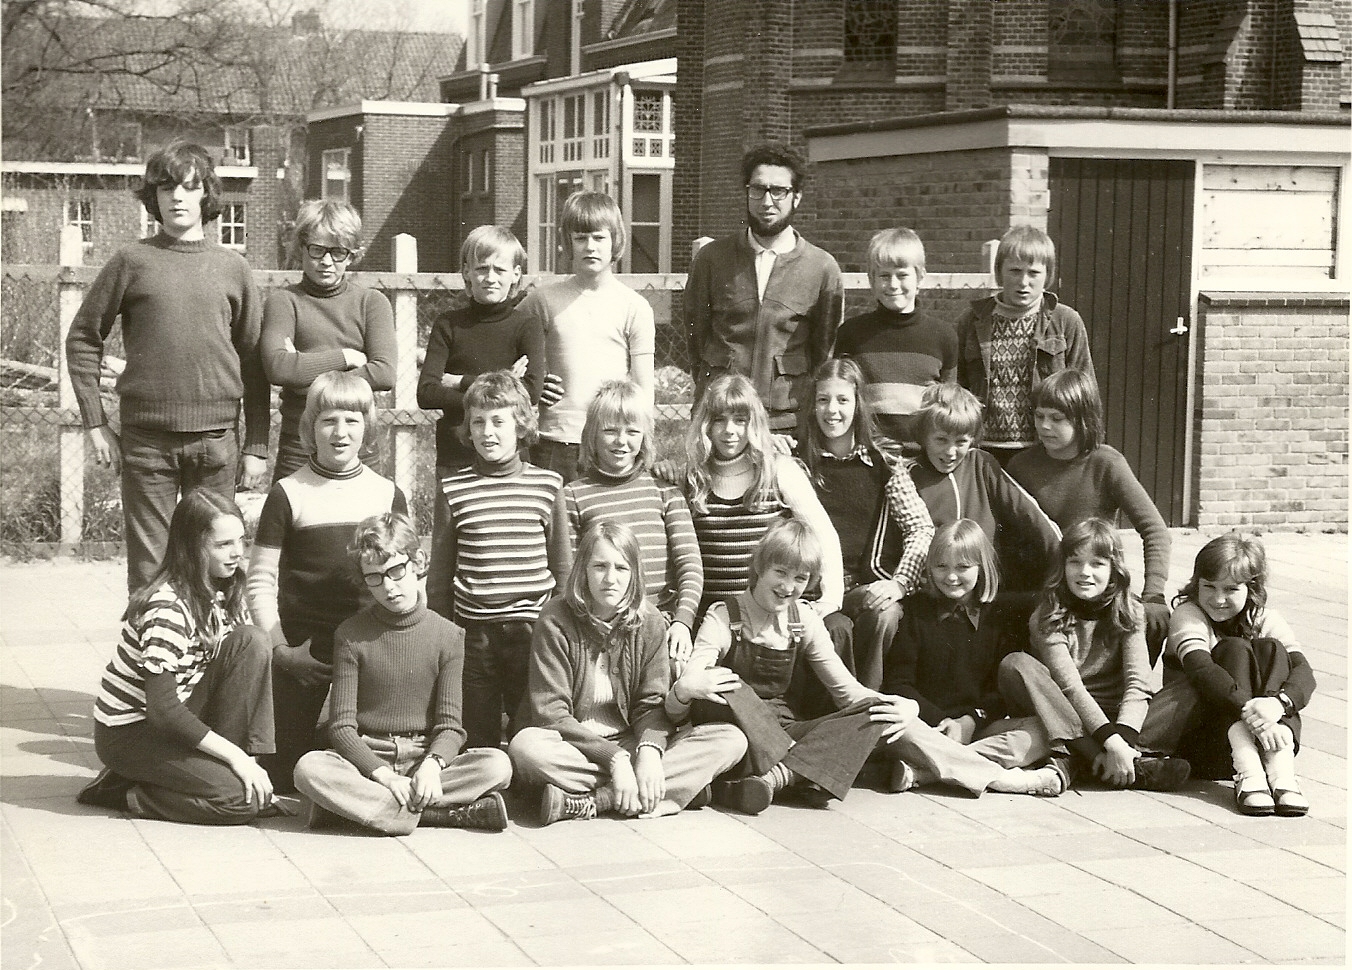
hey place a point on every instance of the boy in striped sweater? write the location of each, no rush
(491, 563)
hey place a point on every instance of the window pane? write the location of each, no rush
(647, 200)
(645, 241)
(648, 111)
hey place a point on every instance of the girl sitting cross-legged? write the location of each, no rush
(752, 656)
(597, 738)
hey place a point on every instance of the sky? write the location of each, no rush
(432, 15)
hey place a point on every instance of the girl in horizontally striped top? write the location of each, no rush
(491, 571)
(186, 701)
(616, 485)
(737, 487)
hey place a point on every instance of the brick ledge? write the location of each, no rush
(1291, 301)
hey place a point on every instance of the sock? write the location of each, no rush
(1280, 769)
(1244, 754)
(780, 777)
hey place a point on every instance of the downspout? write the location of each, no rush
(1172, 94)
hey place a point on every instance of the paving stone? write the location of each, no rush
(491, 953)
(757, 939)
(598, 946)
(683, 907)
(190, 946)
(295, 943)
(1051, 878)
(1101, 909)
(1296, 937)
(392, 930)
(1172, 943)
(553, 917)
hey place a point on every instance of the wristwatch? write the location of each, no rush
(440, 762)
(1288, 705)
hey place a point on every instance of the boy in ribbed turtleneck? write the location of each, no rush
(325, 322)
(487, 333)
(396, 757)
(490, 561)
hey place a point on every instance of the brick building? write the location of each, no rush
(77, 130)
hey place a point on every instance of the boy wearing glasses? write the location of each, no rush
(189, 310)
(396, 757)
(325, 322)
(766, 302)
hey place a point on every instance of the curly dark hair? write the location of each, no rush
(775, 153)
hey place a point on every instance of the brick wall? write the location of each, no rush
(414, 192)
(954, 200)
(687, 122)
(1272, 418)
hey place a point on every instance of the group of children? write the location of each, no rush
(647, 637)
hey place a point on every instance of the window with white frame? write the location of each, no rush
(236, 146)
(652, 137)
(523, 28)
(476, 35)
(80, 212)
(337, 174)
(231, 225)
(548, 128)
(601, 124)
(574, 126)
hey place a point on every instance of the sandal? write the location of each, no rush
(1255, 802)
(1290, 802)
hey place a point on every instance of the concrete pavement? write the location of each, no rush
(1091, 877)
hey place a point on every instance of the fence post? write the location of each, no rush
(71, 443)
(988, 250)
(404, 432)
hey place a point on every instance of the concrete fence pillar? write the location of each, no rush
(404, 432)
(71, 442)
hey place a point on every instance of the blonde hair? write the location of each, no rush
(790, 543)
(385, 535)
(950, 408)
(338, 390)
(338, 219)
(590, 211)
(896, 247)
(485, 241)
(1028, 244)
(731, 395)
(621, 538)
(499, 389)
(615, 402)
(967, 542)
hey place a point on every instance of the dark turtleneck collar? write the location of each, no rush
(491, 312)
(1082, 609)
(498, 469)
(312, 288)
(162, 240)
(323, 472)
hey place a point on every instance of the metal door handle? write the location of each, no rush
(1179, 327)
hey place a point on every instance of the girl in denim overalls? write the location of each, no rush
(752, 656)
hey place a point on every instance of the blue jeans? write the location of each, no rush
(557, 456)
(159, 467)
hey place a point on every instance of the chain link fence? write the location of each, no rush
(51, 499)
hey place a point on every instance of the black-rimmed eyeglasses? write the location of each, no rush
(338, 254)
(394, 573)
(779, 193)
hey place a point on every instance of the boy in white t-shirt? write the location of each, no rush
(596, 330)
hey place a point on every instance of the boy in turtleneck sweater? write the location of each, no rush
(487, 333)
(900, 349)
(491, 569)
(396, 759)
(1009, 342)
(323, 323)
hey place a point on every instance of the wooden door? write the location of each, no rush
(1123, 231)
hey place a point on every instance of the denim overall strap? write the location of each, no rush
(766, 671)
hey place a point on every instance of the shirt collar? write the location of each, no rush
(860, 451)
(783, 245)
(958, 611)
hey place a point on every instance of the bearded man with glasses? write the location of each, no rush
(765, 302)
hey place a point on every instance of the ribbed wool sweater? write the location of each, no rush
(1096, 483)
(321, 324)
(469, 341)
(190, 325)
(899, 354)
(396, 673)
